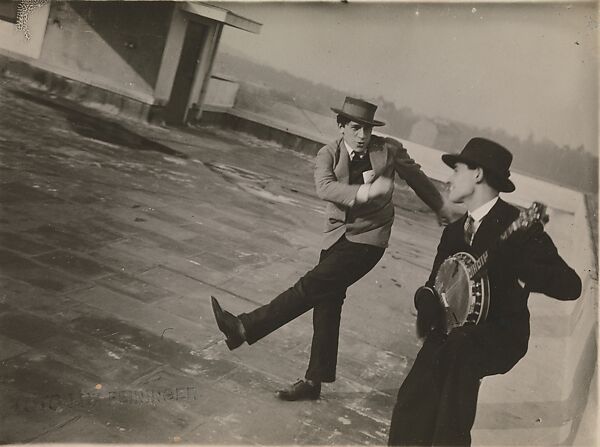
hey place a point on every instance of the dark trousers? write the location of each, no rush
(324, 290)
(437, 401)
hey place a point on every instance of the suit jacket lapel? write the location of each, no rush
(492, 226)
(342, 167)
(377, 155)
(457, 237)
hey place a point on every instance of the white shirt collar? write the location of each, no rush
(350, 150)
(479, 213)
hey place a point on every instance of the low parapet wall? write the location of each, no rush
(543, 399)
(86, 94)
(262, 127)
(286, 134)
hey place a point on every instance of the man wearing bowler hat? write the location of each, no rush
(437, 401)
(355, 175)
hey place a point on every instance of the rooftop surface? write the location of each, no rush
(113, 236)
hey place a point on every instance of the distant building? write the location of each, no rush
(150, 59)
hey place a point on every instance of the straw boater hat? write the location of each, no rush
(359, 111)
(495, 159)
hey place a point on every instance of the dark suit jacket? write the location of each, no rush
(538, 265)
(368, 223)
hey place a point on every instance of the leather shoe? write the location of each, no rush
(229, 324)
(301, 390)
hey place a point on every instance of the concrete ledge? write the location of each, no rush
(85, 94)
(267, 128)
(543, 400)
(263, 128)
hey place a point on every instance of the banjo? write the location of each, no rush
(465, 293)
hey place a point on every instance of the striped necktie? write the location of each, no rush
(469, 229)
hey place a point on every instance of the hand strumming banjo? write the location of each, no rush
(464, 292)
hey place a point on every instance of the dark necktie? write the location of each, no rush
(469, 229)
(359, 164)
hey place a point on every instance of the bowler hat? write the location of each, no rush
(491, 156)
(359, 111)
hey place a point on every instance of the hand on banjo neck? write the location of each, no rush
(529, 223)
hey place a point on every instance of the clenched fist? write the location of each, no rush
(380, 187)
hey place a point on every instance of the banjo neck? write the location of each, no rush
(539, 214)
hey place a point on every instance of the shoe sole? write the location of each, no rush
(218, 313)
(287, 399)
(290, 396)
(233, 344)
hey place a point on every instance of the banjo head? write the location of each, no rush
(464, 300)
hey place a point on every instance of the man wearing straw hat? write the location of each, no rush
(355, 175)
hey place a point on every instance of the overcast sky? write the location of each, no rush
(526, 68)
